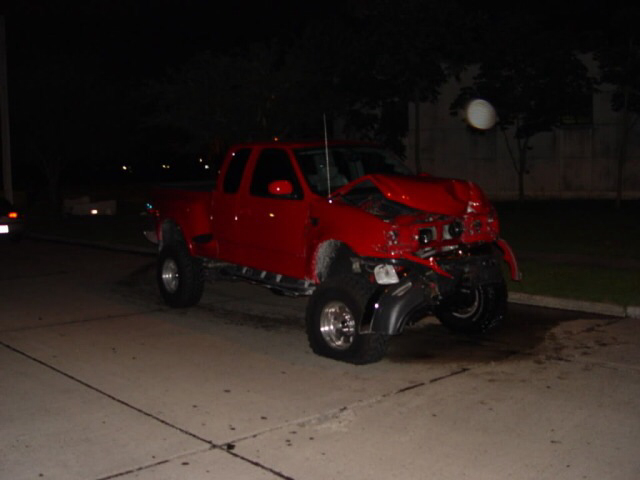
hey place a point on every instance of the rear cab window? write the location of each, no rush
(235, 170)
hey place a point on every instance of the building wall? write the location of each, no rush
(569, 162)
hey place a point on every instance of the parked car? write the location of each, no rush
(376, 247)
(11, 221)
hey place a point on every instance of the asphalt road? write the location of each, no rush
(99, 380)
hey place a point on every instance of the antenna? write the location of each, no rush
(326, 154)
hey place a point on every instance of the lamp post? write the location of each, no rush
(7, 185)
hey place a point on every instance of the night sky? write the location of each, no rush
(128, 43)
(144, 37)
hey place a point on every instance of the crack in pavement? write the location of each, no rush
(191, 454)
(138, 469)
(103, 393)
(328, 416)
(322, 418)
(228, 447)
(210, 444)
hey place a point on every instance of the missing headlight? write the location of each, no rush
(425, 235)
(455, 229)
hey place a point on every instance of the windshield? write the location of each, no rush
(345, 164)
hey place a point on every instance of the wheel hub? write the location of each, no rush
(337, 325)
(469, 302)
(170, 275)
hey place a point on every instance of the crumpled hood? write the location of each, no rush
(427, 193)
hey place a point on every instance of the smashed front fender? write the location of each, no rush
(397, 305)
(510, 258)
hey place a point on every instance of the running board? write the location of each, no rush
(279, 283)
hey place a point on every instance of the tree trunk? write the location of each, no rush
(521, 181)
(522, 167)
(622, 148)
(520, 162)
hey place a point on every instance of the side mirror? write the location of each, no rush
(280, 187)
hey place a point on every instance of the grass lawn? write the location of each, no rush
(586, 227)
(581, 282)
(587, 230)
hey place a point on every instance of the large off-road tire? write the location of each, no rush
(474, 309)
(334, 314)
(180, 276)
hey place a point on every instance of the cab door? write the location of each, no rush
(226, 204)
(272, 226)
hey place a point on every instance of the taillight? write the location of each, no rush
(13, 214)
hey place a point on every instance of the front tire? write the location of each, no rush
(474, 309)
(334, 315)
(180, 277)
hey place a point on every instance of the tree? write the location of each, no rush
(359, 68)
(64, 118)
(532, 75)
(259, 93)
(72, 96)
(619, 60)
(404, 52)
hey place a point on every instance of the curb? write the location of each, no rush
(608, 309)
(633, 311)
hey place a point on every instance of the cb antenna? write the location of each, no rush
(326, 154)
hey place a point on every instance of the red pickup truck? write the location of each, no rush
(375, 247)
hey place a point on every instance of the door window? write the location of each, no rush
(274, 164)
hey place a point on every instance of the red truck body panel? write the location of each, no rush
(276, 231)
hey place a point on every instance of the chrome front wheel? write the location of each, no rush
(335, 312)
(337, 325)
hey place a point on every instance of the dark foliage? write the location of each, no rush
(619, 58)
(532, 75)
(98, 84)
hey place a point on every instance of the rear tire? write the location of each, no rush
(180, 276)
(474, 309)
(334, 315)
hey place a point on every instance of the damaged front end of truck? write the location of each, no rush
(440, 253)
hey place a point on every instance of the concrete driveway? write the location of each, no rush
(99, 380)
